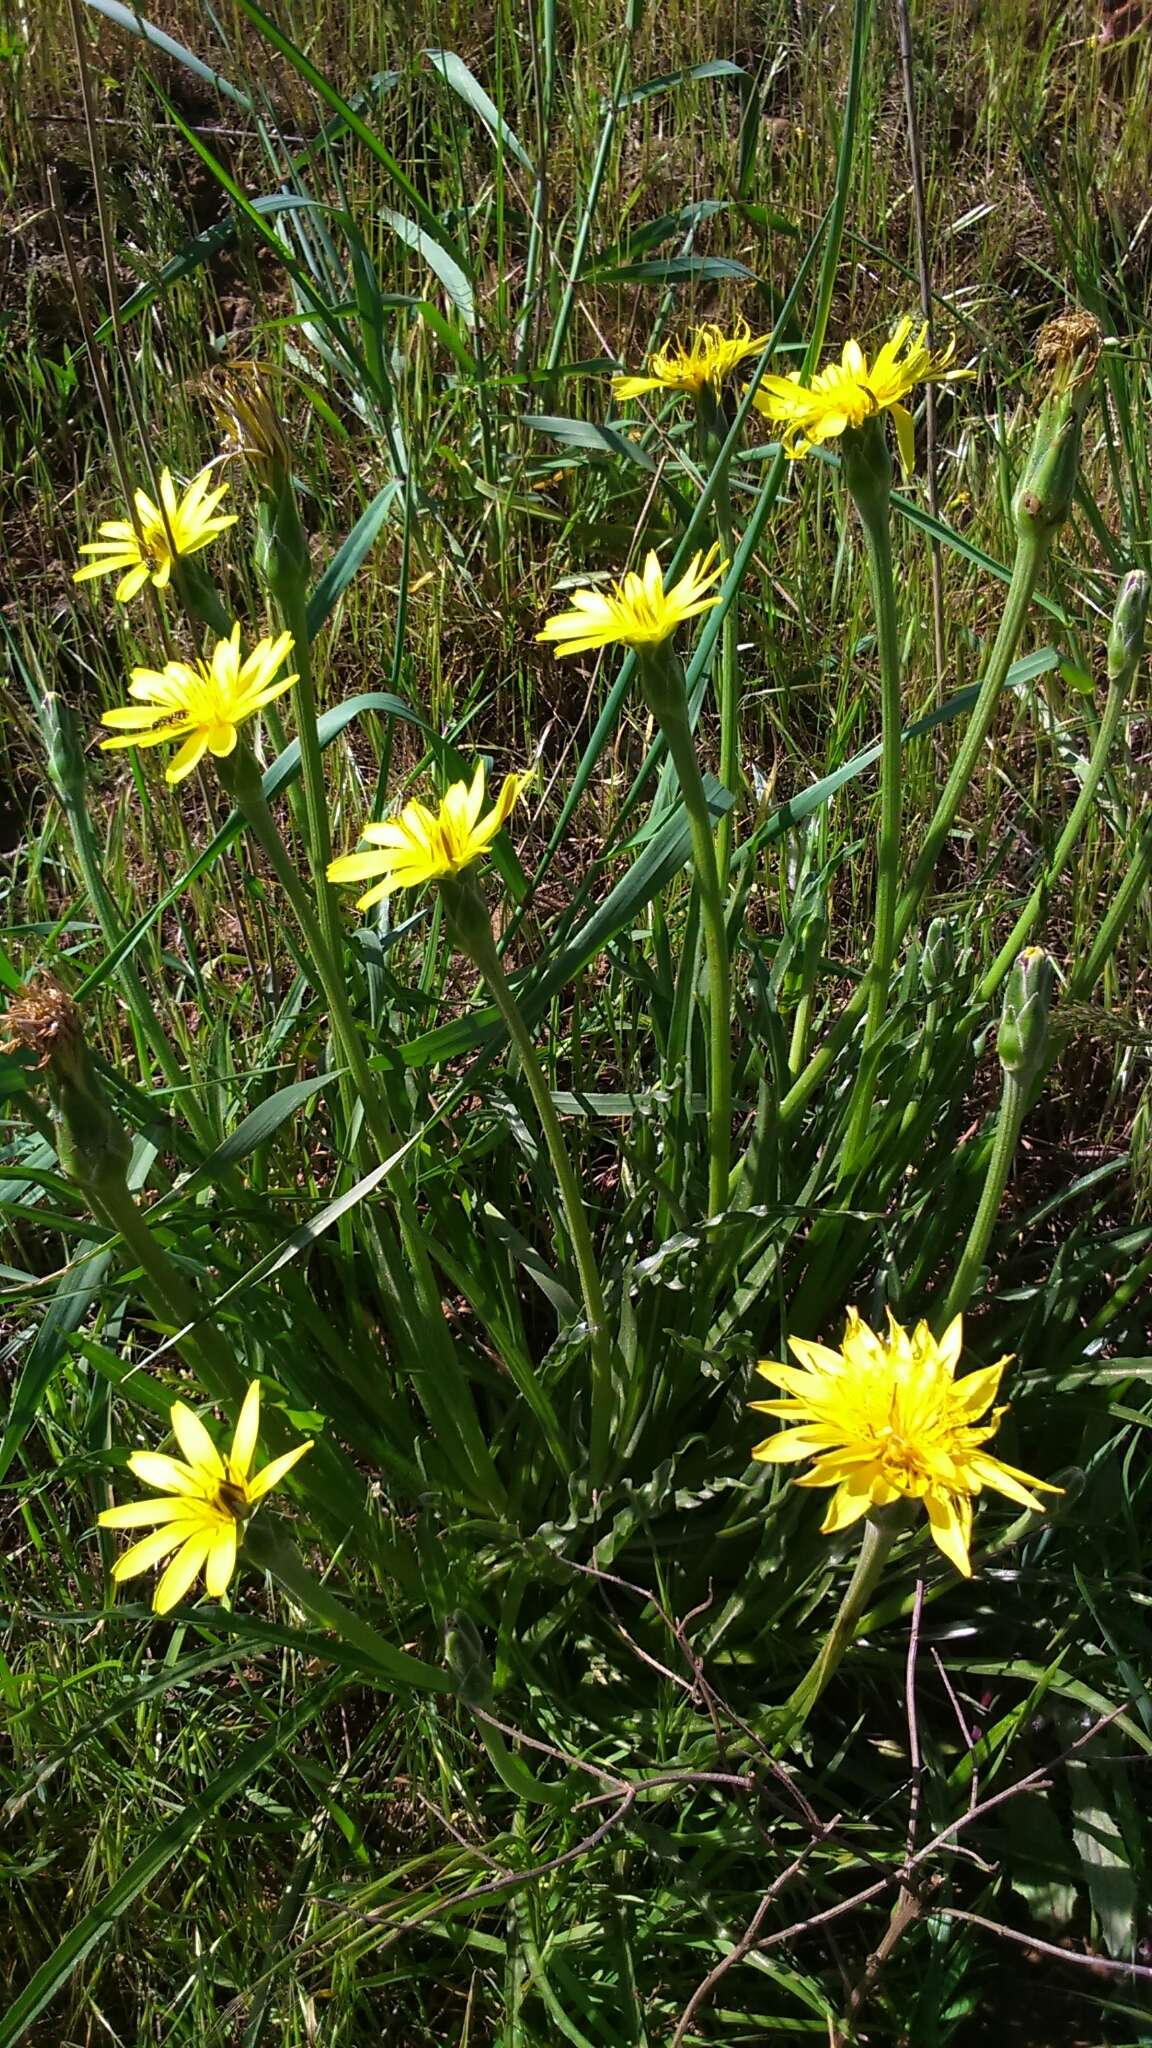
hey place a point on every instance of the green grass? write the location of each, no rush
(235, 1825)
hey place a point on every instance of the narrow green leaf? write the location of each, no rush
(454, 71)
(440, 260)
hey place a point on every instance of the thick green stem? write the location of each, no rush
(1013, 1103)
(1112, 923)
(1033, 909)
(868, 470)
(711, 428)
(880, 1531)
(292, 603)
(1031, 551)
(169, 1296)
(663, 682)
(472, 930)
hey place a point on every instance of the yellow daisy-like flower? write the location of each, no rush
(637, 612)
(886, 1419)
(704, 361)
(208, 1501)
(182, 527)
(852, 391)
(422, 846)
(201, 703)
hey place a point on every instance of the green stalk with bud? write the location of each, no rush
(1021, 1042)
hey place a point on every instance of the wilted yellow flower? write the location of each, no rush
(886, 1419)
(184, 526)
(638, 611)
(704, 361)
(208, 1501)
(201, 703)
(426, 846)
(852, 391)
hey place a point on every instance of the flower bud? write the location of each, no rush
(938, 959)
(92, 1146)
(464, 1655)
(1069, 348)
(256, 436)
(1126, 640)
(1023, 1030)
(65, 758)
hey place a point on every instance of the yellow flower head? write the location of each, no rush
(422, 846)
(183, 527)
(637, 611)
(885, 1419)
(849, 392)
(201, 703)
(207, 1502)
(706, 360)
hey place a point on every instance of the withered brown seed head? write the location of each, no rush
(253, 428)
(1071, 342)
(44, 1020)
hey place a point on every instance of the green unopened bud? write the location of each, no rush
(464, 1655)
(866, 466)
(1126, 640)
(64, 755)
(1068, 348)
(938, 960)
(1023, 1030)
(92, 1145)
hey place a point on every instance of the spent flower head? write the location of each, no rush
(419, 845)
(201, 703)
(885, 1419)
(207, 1501)
(254, 430)
(847, 394)
(149, 546)
(637, 611)
(703, 362)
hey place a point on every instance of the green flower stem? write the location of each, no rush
(712, 434)
(471, 929)
(1031, 551)
(1034, 908)
(1013, 1103)
(880, 1530)
(171, 1299)
(1084, 980)
(442, 1385)
(868, 481)
(1031, 554)
(293, 608)
(662, 680)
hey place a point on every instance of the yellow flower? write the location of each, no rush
(201, 703)
(422, 845)
(886, 1419)
(691, 366)
(638, 611)
(849, 392)
(208, 1501)
(183, 527)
